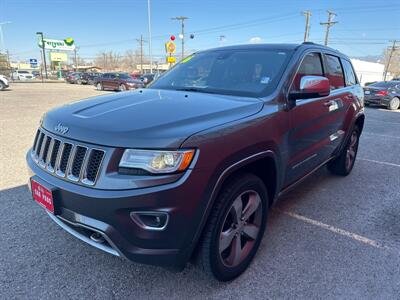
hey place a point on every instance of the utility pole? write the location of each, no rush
(307, 14)
(394, 47)
(75, 58)
(141, 41)
(149, 22)
(328, 25)
(182, 35)
(44, 53)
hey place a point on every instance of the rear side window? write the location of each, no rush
(334, 72)
(349, 73)
(310, 66)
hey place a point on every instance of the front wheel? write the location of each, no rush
(99, 87)
(394, 103)
(2, 86)
(235, 228)
(344, 163)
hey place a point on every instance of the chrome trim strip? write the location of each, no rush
(71, 158)
(70, 176)
(305, 160)
(81, 236)
(58, 160)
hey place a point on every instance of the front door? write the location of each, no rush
(311, 124)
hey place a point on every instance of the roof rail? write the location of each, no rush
(309, 43)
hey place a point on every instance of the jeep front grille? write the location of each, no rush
(67, 159)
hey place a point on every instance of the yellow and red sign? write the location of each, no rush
(170, 47)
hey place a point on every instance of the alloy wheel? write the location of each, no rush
(240, 228)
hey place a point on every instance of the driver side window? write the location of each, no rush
(310, 66)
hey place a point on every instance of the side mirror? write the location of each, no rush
(312, 87)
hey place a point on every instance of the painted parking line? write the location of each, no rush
(336, 230)
(386, 122)
(379, 162)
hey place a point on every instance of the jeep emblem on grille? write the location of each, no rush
(61, 129)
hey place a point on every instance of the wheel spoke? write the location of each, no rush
(236, 251)
(226, 238)
(236, 209)
(252, 205)
(251, 231)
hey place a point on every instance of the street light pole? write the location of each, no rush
(3, 46)
(182, 36)
(44, 53)
(149, 22)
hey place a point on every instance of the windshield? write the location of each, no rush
(23, 72)
(250, 73)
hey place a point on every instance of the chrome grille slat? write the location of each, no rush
(67, 159)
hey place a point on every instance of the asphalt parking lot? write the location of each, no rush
(331, 237)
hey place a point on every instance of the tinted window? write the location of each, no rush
(310, 66)
(349, 73)
(334, 72)
(252, 73)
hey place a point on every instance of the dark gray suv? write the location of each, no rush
(189, 167)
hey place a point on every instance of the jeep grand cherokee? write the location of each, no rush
(189, 167)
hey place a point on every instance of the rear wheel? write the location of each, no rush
(235, 228)
(79, 81)
(2, 86)
(343, 164)
(394, 103)
(99, 86)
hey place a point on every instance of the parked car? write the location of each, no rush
(73, 77)
(4, 83)
(36, 74)
(88, 78)
(117, 82)
(21, 75)
(189, 167)
(384, 93)
(147, 78)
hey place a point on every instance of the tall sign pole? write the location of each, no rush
(44, 53)
(182, 35)
(328, 25)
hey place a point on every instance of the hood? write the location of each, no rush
(147, 118)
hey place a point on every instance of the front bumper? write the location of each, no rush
(82, 211)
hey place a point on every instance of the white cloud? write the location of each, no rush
(255, 40)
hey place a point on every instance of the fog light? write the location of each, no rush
(150, 220)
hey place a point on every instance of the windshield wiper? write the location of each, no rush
(194, 89)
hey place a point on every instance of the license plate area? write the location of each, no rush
(43, 196)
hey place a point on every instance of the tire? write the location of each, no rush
(2, 86)
(218, 259)
(99, 86)
(79, 81)
(122, 88)
(394, 103)
(344, 163)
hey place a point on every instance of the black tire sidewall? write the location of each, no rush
(219, 270)
(356, 151)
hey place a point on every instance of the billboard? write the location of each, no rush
(64, 45)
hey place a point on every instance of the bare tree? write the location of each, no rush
(108, 61)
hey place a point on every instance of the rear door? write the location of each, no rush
(340, 98)
(311, 123)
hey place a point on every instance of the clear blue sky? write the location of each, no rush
(365, 27)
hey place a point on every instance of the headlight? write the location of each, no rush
(157, 162)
